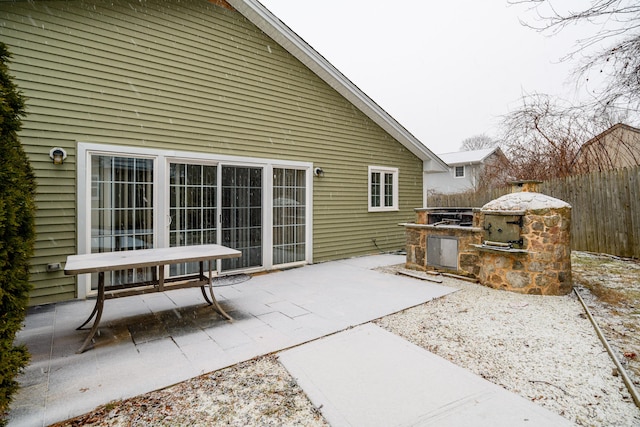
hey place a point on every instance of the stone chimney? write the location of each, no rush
(530, 186)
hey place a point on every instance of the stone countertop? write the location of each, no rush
(442, 226)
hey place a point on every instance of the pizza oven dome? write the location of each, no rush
(524, 202)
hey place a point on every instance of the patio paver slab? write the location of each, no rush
(337, 295)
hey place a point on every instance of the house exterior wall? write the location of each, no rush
(448, 183)
(488, 170)
(195, 77)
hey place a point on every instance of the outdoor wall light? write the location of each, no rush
(58, 155)
(318, 172)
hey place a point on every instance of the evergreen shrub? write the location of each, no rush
(17, 233)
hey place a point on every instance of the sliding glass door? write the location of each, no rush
(242, 215)
(132, 198)
(193, 209)
(193, 193)
(289, 215)
(121, 211)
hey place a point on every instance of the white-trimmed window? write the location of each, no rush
(458, 171)
(383, 189)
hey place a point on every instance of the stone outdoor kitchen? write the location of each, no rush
(520, 242)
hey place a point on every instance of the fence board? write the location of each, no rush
(605, 215)
(599, 201)
(618, 239)
(633, 188)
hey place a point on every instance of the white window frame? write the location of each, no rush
(455, 171)
(382, 170)
(161, 159)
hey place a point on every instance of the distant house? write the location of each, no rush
(617, 147)
(466, 169)
(158, 123)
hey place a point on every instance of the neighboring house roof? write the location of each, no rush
(599, 137)
(618, 146)
(468, 157)
(260, 16)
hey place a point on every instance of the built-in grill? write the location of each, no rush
(518, 242)
(449, 216)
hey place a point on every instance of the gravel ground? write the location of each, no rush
(259, 392)
(542, 348)
(613, 298)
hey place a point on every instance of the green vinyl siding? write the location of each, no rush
(189, 76)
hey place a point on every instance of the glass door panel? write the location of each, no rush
(289, 215)
(121, 212)
(242, 215)
(193, 210)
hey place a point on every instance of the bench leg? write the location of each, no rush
(206, 297)
(216, 305)
(97, 310)
(213, 297)
(203, 278)
(93, 313)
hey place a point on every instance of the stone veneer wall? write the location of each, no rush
(541, 267)
(545, 267)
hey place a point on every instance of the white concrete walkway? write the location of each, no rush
(367, 376)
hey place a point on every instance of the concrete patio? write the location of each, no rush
(152, 341)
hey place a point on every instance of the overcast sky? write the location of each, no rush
(445, 70)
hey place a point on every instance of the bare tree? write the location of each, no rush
(495, 172)
(618, 27)
(477, 142)
(543, 137)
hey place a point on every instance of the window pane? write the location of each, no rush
(176, 174)
(123, 169)
(194, 175)
(210, 175)
(144, 170)
(375, 189)
(194, 196)
(388, 189)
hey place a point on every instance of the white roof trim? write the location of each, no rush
(260, 16)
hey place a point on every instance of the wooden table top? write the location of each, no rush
(107, 261)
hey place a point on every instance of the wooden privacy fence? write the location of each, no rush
(605, 214)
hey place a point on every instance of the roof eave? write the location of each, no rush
(602, 134)
(495, 150)
(473, 160)
(295, 45)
